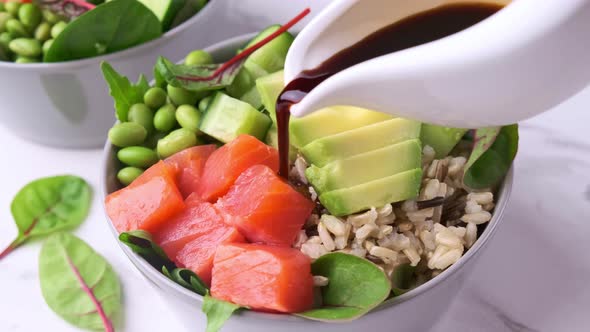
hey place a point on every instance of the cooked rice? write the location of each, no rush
(431, 238)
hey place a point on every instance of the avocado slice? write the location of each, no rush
(269, 88)
(352, 142)
(329, 121)
(366, 167)
(441, 139)
(165, 10)
(394, 188)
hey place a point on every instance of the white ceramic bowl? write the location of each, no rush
(68, 105)
(417, 310)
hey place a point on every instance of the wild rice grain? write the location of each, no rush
(365, 231)
(387, 255)
(470, 234)
(477, 218)
(359, 220)
(412, 255)
(481, 198)
(333, 224)
(327, 240)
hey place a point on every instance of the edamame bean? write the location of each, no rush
(165, 118)
(24, 59)
(180, 96)
(204, 103)
(4, 17)
(26, 47)
(58, 28)
(12, 7)
(30, 15)
(5, 39)
(137, 156)
(152, 140)
(143, 115)
(176, 141)
(43, 32)
(155, 97)
(51, 17)
(16, 28)
(129, 174)
(188, 117)
(127, 134)
(2, 7)
(46, 45)
(198, 57)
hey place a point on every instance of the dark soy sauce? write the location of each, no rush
(415, 30)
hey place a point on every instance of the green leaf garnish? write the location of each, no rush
(110, 27)
(174, 74)
(218, 312)
(141, 243)
(123, 92)
(78, 284)
(493, 151)
(187, 279)
(65, 8)
(48, 205)
(355, 287)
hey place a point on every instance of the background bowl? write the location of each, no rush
(416, 310)
(68, 105)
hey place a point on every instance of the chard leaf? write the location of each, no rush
(68, 9)
(187, 279)
(218, 312)
(494, 149)
(49, 205)
(110, 27)
(197, 78)
(124, 93)
(402, 279)
(78, 284)
(355, 287)
(141, 243)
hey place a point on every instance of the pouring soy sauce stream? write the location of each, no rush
(415, 30)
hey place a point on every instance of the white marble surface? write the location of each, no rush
(533, 277)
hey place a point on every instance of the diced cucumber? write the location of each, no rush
(165, 10)
(270, 87)
(228, 117)
(252, 97)
(441, 139)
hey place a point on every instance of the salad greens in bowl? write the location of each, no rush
(376, 223)
(50, 52)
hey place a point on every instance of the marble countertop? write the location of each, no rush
(533, 276)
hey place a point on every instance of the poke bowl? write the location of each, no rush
(433, 235)
(63, 103)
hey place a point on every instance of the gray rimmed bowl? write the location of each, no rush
(416, 310)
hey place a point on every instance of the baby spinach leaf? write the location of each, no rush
(187, 279)
(111, 27)
(48, 205)
(355, 287)
(493, 151)
(218, 312)
(124, 93)
(142, 244)
(69, 9)
(402, 279)
(197, 78)
(78, 284)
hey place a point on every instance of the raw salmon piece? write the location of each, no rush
(148, 202)
(227, 163)
(190, 238)
(264, 208)
(189, 164)
(263, 277)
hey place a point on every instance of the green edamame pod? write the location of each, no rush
(143, 115)
(180, 96)
(46, 45)
(16, 28)
(4, 17)
(51, 17)
(137, 156)
(43, 32)
(26, 47)
(204, 103)
(24, 59)
(127, 134)
(12, 7)
(155, 97)
(2, 7)
(129, 174)
(188, 117)
(58, 28)
(165, 118)
(176, 141)
(30, 15)
(198, 57)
